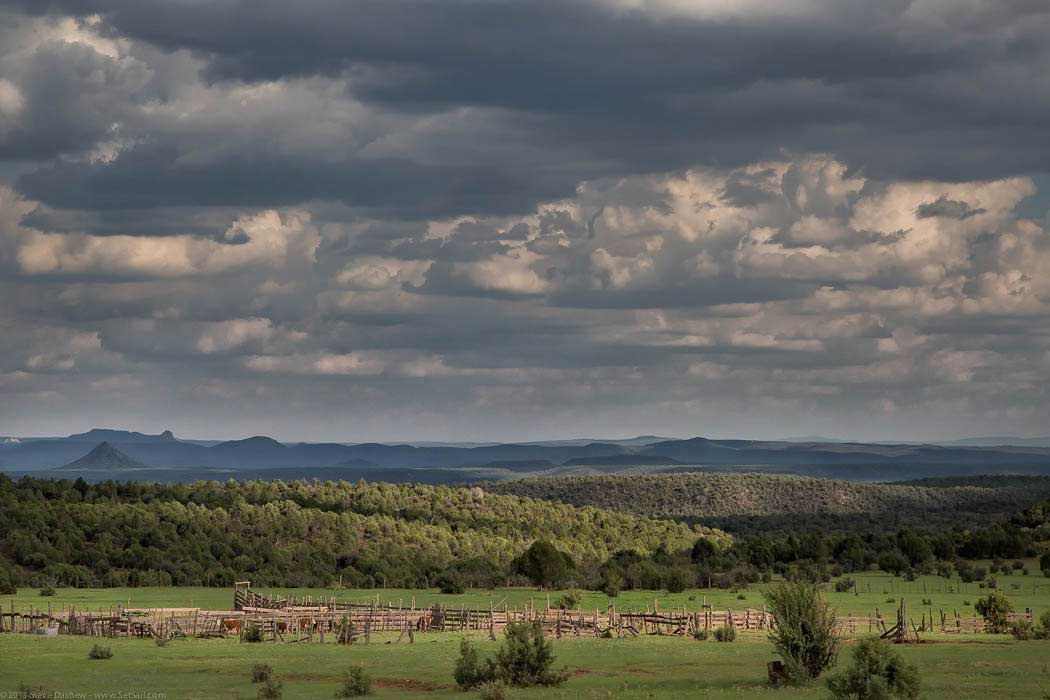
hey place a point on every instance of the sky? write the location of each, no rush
(358, 220)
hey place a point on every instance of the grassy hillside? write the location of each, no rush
(296, 534)
(770, 502)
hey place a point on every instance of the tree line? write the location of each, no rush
(316, 533)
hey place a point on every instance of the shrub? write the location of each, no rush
(261, 673)
(451, 584)
(927, 601)
(1044, 564)
(725, 633)
(526, 657)
(994, 608)
(568, 601)
(741, 596)
(253, 634)
(270, 690)
(470, 672)
(877, 673)
(47, 590)
(699, 635)
(492, 690)
(356, 683)
(1023, 630)
(100, 652)
(845, 584)
(804, 634)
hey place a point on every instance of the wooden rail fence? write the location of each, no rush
(306, 619)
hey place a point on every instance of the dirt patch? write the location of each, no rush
(407, 684)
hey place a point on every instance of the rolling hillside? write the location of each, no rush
(743, 501)
(299, 533)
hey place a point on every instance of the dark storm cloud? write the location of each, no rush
(392, 219)
(597, 88)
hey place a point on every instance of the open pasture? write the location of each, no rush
(873, 592)
(654, 668)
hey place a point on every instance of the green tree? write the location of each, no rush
(995, 608)
(545, 565)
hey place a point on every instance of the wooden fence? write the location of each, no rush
(308, 619)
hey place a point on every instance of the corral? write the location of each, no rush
(310, 619)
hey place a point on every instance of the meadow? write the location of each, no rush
(654, 668)
(873, 591)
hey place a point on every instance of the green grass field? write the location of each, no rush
(654, 668)
(649, 667)
(874, 590)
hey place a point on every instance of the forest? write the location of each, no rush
(71, 533)
(749, 503)
(298, 534)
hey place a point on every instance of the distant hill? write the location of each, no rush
(997, 441)
(849, 460)
(620, 460)
(720, 498)
(122, 436)
(105, 456)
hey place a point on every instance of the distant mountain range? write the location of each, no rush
(864, 460)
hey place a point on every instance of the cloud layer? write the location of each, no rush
(357, 221)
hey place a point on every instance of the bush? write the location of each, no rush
(994, 608)
(804, 634)
(526, 657)
(726, 633)
(100, 652)
(877, 673)
(270, 690)
(845, 584)
(261, 673)
(1023, 630)
(493, 690)
(699, 635)
(470, 672)
(356, 684)
(253, 634)
(741, 596)
(927, 601)
(1044, 564)
(47, 590)
(451, 584)
(568, 601)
